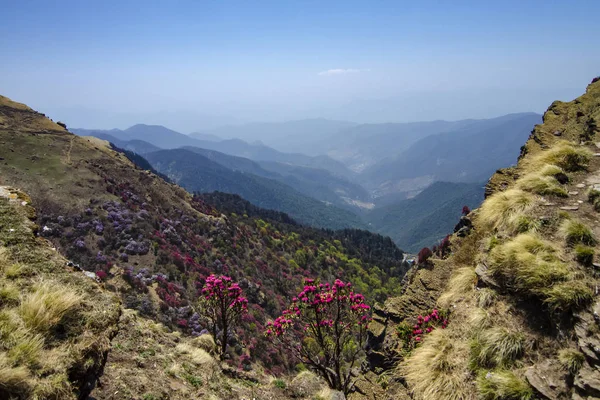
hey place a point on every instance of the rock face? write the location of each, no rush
(464, 226)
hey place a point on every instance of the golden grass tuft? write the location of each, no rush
(437, 369)
(15, 270)
(528, 263)
(571, 360)
(205, 342)
(583, 254)
(542, 185)
(576, 232)
(570, 295)
(562, 154)
(502, 210)
(486, 297)
(9, 294)
(44, 308)
(496, 347)
(13, 379)
(503, 385)
(197, 356)
(461, 284)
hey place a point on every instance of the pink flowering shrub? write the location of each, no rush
(325, 327)
(222, 304)
(466, 210)
(424, 255)
(413, 334)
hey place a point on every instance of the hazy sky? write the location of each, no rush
(192, 64)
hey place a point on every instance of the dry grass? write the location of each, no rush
(567, 296)
(496, 347)
(197, 356)
(576, 232)
(44, 308)
(437, 369)
(461, 284)
(486, 297)
(206, 343)
(542, 184)
(13, 379)
(502, 210)
(571, 360)
(563, 155)
(528, 263)
(583, 254)
(503, 385)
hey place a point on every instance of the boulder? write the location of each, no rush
(548, 379)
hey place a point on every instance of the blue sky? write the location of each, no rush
(194, 64)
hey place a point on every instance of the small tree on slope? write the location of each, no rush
(222, 304)
(325, 327)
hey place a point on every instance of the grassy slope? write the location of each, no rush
(55, 323)
(74, 181)
(514, 326)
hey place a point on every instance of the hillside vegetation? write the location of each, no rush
(521, 290)
(153, 244)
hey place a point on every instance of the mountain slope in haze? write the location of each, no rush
(153, 245)
(470, 154)
(363, 145)
(426, 218)
(288, 136)
(317, 183)
(197, 173)
(165, 138)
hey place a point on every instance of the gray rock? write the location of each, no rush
(574, 193)
(570, 208)
(557, 133)
(587, 382)
(485, 279)
(548, 379)
(580, 185)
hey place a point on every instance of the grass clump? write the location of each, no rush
(576, 232)
(9, 294)
(569, 295)
(13, 379)
(436, 370)
(486, 297)
(496, 347)
(542, 185)
(583, 254)
(571, 360)
(44, 308)
(594, 198)
(14, 271)
(527, 264)
(503, 385)
(462, 282)
(563, 155)
(502, 210)
(279, 383)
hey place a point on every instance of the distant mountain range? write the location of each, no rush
(197, 173)
(383, 175)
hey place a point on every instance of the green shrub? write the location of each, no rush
(571, 360)
(584, 255)
(503, 385)
(280, 383)
(594, 198)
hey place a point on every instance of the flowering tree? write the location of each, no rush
(424, 255)
(222, 305)
(412, 335)
(325, 327)
(466, 210)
